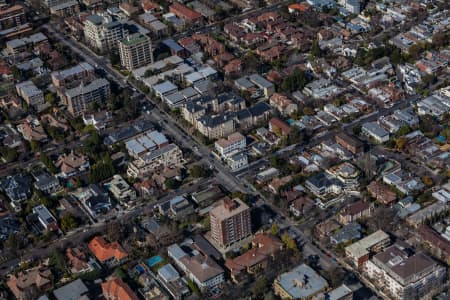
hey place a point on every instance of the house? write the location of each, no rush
(46, 219)
(325, 228)
(279, 127)
(234, 67)
(375, 131)
(381, 193)
(185, 13)
(264, 248)
(355, 211)
(277, 183)
(160, 234)
(74, 290)
(77, 261)
(237, 161)
(116, 289)
(302, 282)
(17, 188)
(177, 207)
(342, 292)
(322, 184)
(95, 200)
(28, 281)
(283, 104)
(32, 129)
(426, 213)
(99, 120)
(351, 144)
(171, 280)
(46, 183)
(267, 175)
(301, 205)
(121, 190)
(72, 164)
(347, 233)
(110, 254)
(201, 269)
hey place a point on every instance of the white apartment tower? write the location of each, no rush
(103, 33)
(135, 51)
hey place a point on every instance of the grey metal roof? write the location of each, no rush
(165, 87)
(174, 46)
(375, 129)
(168, 273)
(313, 282)
(29, 89)
(71, 291)
(157, 137)
(175, 251)
(84, 89)
(44, 214)
(260, 81)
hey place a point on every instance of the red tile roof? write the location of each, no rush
(104, 251)
(117, 289)
(184, 12)
(264, 246)
(282, 126)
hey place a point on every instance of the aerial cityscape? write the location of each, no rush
(224, 149)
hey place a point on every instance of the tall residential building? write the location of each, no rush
(403, 275)
(12, 16)
(230, 222)
(135, 51)
(80, 98)
(103, 33)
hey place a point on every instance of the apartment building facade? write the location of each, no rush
(234, 143)
(12, 16)
(404, 276)
(80, 98)
(230, 222)
(167, 156)
(103, 33)
(135, 51)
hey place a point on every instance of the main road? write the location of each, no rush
(169, 125)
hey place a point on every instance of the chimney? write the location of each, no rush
(230, 204)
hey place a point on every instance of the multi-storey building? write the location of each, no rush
(135, 51)
(218, 126)
(405, 276)
(20, 45)
(234, 143)
(79, 72)
(103, 33)
(66, 9)
(166, 156)
(230, 222)
(51, 3)
(80, 98)
(12, 16)
(359, 252)
(30, 93)
(121, 190)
